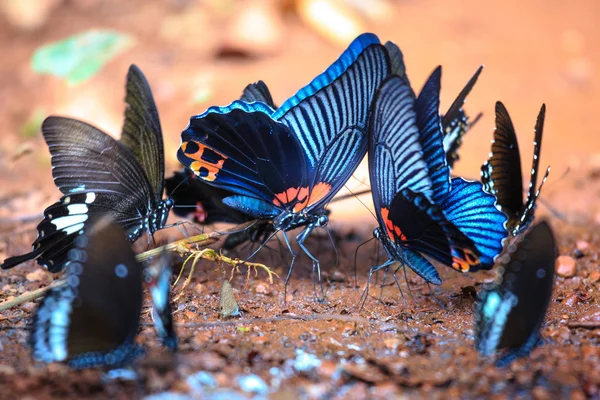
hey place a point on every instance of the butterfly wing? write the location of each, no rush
(98, 176)
(397, 65)
(141, 131)
(329, 116)
(455, 123)
(473, 211)
(395, 154)
(240, 148)
(511, 312)
(430, 135)
(501, 174)
(534, 191)
(258, 91)
(94, 318)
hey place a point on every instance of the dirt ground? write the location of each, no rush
(534, 52)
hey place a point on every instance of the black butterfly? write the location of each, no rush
(94, 318)
(285, 165)
(420, 209)
(501, 173)
(100, 175)
(511, 312)
(455, 123)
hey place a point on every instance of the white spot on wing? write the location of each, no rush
(90, 197)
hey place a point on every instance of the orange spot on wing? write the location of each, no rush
(200, 163)
(464, 259)
(392, 230)
(302, 196)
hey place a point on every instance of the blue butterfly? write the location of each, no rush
(285, 165)
(421, 210)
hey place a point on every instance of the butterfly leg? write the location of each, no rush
(337, 257)
(373, 270)
(289, 274)
(316, 265)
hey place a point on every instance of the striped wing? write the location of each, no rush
(395, 155)
(430, 135)
(329, 116)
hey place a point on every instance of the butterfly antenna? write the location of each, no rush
(184, 180)
(350, 195)
(361, 202)
(261, 245)
(360, 181)
(355, 257)
(241, 230)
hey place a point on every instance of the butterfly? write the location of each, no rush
(93, 319)
(455, 123)
(501, 173)
(100, 175)
(420, 209)
(285, 165)
(511, 311)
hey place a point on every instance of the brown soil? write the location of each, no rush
(534, 52)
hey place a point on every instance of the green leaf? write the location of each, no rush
(79, 57)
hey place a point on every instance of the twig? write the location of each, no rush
(288, 317)
(584, 324)
(182, 246)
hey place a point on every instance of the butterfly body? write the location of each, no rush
(99, 175)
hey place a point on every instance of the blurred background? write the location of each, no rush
(70, 57)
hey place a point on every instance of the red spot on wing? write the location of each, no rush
(209, 169)
(301, 197)
(392, 230)
(464, 259)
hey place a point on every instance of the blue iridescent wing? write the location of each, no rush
(395, 154)
(473, 211)
(430, 135)
(415, 223)
(242, 149)
(329, 116)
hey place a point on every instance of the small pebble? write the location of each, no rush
(578, 253)
(594, 276)
(565, 266)
(253, 384)
(582, 245)
(571, 300)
